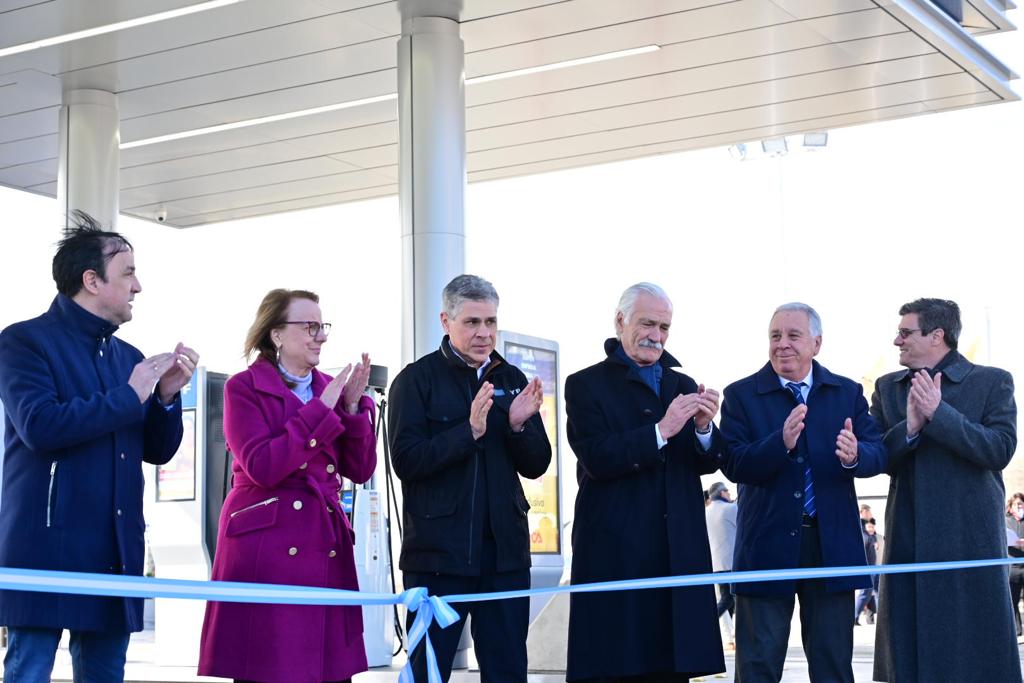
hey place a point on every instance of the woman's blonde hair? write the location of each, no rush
(269, 316)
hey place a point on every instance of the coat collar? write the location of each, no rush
(667, 360)
(953, 367)
(267, 379)
(767, 381)
(455, 361)
(74, 317)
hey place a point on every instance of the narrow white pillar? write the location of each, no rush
(88, 173)
(432, 167)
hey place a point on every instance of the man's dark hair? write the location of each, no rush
(936, 314)
(86, 246)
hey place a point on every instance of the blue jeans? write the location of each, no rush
(96, 657)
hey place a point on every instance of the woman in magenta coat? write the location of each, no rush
(294, 433)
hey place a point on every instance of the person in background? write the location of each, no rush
(294, 433)
(721, 519)
(865, 512)
(1015, 548)
(867, 596)
(84, 411)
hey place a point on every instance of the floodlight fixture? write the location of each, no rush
(816, 140)
(738, 151)
(775, 147)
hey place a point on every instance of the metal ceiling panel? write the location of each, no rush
(726, 71)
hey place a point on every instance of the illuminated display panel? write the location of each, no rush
(542, 493)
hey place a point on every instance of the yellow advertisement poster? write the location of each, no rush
(542, 493)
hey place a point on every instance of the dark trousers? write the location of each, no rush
(498, 626)
(726, 601)
(1016, 590)
(826, 627)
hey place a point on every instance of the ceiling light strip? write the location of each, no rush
(257, 122)
(563, 65)
(383, 98)
(111, 28)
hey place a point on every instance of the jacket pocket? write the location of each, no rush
(252, 517)
(433, 498)
(444, 416)
(522, 506)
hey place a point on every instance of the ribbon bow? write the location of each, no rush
(428, 608)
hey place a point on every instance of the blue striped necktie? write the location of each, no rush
(809, 506)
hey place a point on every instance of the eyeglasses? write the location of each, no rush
(312, 326)
(903, 332)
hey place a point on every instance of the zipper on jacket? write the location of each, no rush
(268, 501)
(472, 505)
(49, 494)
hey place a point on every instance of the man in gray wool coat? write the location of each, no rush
(950, 427)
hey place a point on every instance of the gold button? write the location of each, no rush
(297, 505)
(330, 469)
(312, 443)
(332, 553)
(293, 551)
(330, 509)
(303, 465)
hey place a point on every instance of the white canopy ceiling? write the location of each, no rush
(727, 71)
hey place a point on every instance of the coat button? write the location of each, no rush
(119, 513)
(800, 459)
(793, 532)
(293, 551)
(798, 494)
(122, 456)
(312, 443)
(330, 509)
(297, 505)
(330, 469)
(636, 467)
(101, 353)
(332, 553)
(648, 412)
(303, 465)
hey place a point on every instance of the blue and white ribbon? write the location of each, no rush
(428, 608)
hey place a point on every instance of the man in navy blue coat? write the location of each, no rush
(797, 436)
(84, 410)
(643, 434)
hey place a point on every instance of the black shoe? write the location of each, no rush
(871, 619)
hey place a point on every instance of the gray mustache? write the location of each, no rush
(648, 344)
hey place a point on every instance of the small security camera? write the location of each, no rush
(161, 215)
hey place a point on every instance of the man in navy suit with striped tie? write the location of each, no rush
(797, 436)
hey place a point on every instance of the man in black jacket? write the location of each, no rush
(464, 425)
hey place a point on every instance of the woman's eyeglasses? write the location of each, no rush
(312, 326)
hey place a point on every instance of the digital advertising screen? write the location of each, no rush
(542, 493)
(177, 479)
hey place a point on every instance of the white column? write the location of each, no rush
(88, 174)
(432, 167)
